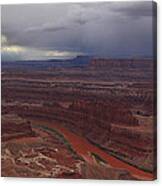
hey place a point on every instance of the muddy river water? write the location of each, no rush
(84, 148)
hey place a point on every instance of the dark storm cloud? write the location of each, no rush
(54, 29)
(48, 28)
(104, 29)
(138, 9)
(84, 18)
(81, 21)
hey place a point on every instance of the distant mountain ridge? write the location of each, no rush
(79, 61)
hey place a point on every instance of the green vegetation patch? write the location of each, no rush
(62, 139)
(98, 158)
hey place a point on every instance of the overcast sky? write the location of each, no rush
(45, 31)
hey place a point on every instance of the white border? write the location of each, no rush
(63, 182)
(59, 1)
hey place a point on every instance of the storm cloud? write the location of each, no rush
(109, 29)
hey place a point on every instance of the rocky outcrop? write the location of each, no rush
(13, 130)
(111, 111)
(121, 63)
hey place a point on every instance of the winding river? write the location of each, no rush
(84, 148)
